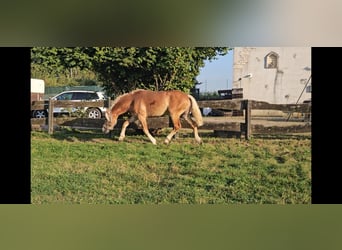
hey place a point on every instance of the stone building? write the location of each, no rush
(279, 75)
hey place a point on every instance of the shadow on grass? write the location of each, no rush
(73, 134)
(283, 136)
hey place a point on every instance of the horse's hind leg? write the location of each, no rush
(176, 126)
(193, 126)
(145, 129)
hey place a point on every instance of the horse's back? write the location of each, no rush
(155, 103)
(149, 97)
(163, 96)
(178, 97)
(150, 103)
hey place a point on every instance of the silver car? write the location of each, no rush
(75, 95)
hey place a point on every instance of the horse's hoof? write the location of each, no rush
(199, 141)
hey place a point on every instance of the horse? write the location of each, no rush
(142, 104)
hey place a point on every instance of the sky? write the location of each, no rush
(217, 74)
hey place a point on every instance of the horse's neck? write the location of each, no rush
(122, 106)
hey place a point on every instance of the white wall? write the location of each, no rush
(281, 85)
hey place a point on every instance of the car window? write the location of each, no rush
(65, 96)
(84, 96)
(93, 96)
(79, 96)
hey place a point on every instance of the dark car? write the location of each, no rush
(75, 95)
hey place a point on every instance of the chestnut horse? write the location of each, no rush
(146, 103)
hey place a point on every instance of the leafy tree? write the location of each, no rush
(62, 66)
(122, 69)
(158, 68)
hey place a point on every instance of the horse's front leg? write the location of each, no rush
(143, 122)
(124, 126)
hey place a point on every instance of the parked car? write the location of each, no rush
(75, 95)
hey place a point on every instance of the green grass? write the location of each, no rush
(86, 167)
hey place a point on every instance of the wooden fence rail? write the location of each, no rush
(244, 127)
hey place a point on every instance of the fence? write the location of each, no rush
(244, 127)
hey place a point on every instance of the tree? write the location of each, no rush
(122, 69)
(61, 66)
(158, 68)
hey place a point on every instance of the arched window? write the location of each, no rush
(271, 60)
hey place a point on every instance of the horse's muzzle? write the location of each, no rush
(105, 130)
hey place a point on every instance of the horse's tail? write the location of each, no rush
(195, 111)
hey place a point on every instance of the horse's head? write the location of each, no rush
(110, 122)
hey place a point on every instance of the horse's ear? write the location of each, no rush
(107, 115)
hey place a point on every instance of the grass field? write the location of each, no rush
(87, 167)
